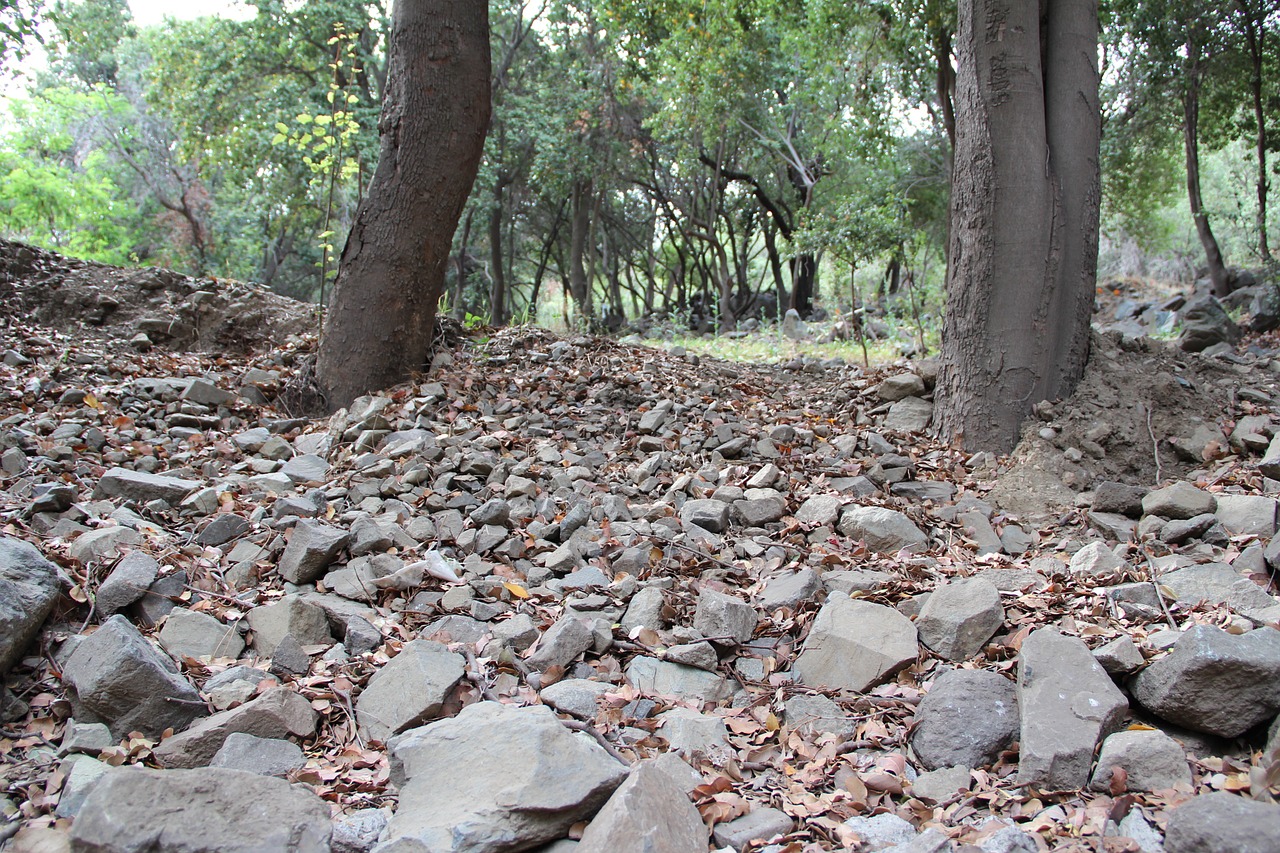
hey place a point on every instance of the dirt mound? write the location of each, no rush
(172, 310)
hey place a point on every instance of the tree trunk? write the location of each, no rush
(580, 226)
(1191, 141)
(1255, 30)
(498, 277)
(803, 272)
(1024, 216)
(460, 281)
(433, 125)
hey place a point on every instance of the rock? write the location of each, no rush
(211, 810)
(223, 529)
(83, 773)
(1205, 323)
(527, 780)
(689, 732)
(1213, 681)
(312, 546)
(959, 618)
(817, 714)
(900, 386)
(1095, 560)
(233, 686)
(883, 530)
(290, 615)
(1178, 501)
(289, 659)
(853, 645)
(189, 633)
(1217, 583)
(1121, 656)
(103, 542)
(1269, 465)
(790, 590)
(967, 719)
(1118, 498)
(410, 690)
(654, 677)
(143, 487)
(1222, 823)
(760, 511)
(1247, 515)
(116, 677)
(793, 328)
(306, 468)
(648, 813)
(576, 696)
(1067, 704)
(85, 737)
(645, 610)
(561, 644)
(724, 618)
(701, 654)
(359, 831)
(910, 414)
(759, 824)
(277, 713)
(1152, 760)
(28, 591)
(706, 513)
(940, 785)
(881, 831)
(820, 510)
(257, 755)
(128, 581)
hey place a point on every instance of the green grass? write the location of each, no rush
(770, 346)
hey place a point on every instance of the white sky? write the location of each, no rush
(148, 12)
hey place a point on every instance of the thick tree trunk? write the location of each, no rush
(1191, 142)
(804, 271)
(1024, 219)
(434, 119)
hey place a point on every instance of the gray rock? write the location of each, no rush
(289, 659)
(645, 610)
(930, 841)
(519, 632)
(1095, 560)
(1269, 465)
(103, 542)
(648, 813)
(910, 414)
(883, 530)
(820, 510)
(85, 737)
(527, 780)
(83, 774)
(967, 719)
(410, 690)
(128, 581)
(816, 714)
(1119, 498)
(881, 831)
(211, 810)
(701, 654)
(1223, 823)
(706, 513)
(561, 644)
(847, 583)
(257, 755)
(793, 328)
(724, 618)
(1247, 515)
(1010, 839)
(853, 645)
(758, 512)
(1213, 681)
(1180, 500)
(233, 686)
(960, 617)
(759, 824)
(277, 713)
(689, 732)
(359, 831)
(1205, 322)
(942, 784)
(790, 590)
(900, 386)
(1181, 530)
(306, 468)
(576, 696)
(188, 633)
(1121, 656)
(1217, 583)
(308, 624)
(28, 591)
(223, 529)
(116, 677)
(1067, 704)
(1152, 760)
(312, 546)
(654, 677)
(143, 487)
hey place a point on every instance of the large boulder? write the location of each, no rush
(1223, 823)
(116, 677)
(967, 719)
(1068, 704)
(1150, 759)
(410, 690)
(960, 617)
(649, 813)
(211, 810)
(313, 545)
(28, 590)
(495, 779)
(1215, 682)
(853, 645)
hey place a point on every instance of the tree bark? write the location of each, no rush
(1191, 141)
(498, 275)
(1024, 218)
(1255, 31)
(434, 119)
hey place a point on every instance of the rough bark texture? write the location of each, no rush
(1024, 218)
(434, 119)
(1191, 142)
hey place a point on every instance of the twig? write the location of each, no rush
(579, 726)
(693, 550)
(1155, 582)
(351, 714)
(231, 598)
(1155, 445)
(476, 676)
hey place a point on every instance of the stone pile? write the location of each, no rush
(557, 586)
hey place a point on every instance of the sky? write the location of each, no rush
(148, 12)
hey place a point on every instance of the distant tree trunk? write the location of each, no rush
(1191, 139)
(804, 271)
(434, 118)
(1255, 31)
(498, 277)
(460, 281)
(1025, 192)
(579, 234)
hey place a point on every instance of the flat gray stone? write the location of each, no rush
(527, 780)
(103, 542)
(706, 513)
(910, 414)
(561, 644)
(648, 813)
(1121, 656)
(116, 677)
(942, 784)
(1247, 515)
(313, 545)
(854, 645)
(1218, 583)
(884, 530)
(967, 719)
(410, 690)
(881, 831)
(959, 618)
(189, 633)
(1067, 704)
(1214, 682)
(689, 732)
(900, 386)
(577, 696)
(258, 755)
(224, 528)
(654, 677)
(1095, 560)
(143, 487)
(1223, 823)
(28, 591)
(277, 713)
(211, 810)
(724, 618)
(359, 831)
(292, 614)
(790, 590)
(306, 468)
(1180, 500)
(1151, 759)
(759, 824)
(83, 774)
(816, 714)
(128, 581)
(820, 510)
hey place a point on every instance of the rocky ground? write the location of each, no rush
(565, 593)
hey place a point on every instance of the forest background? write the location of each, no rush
(702, 161)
